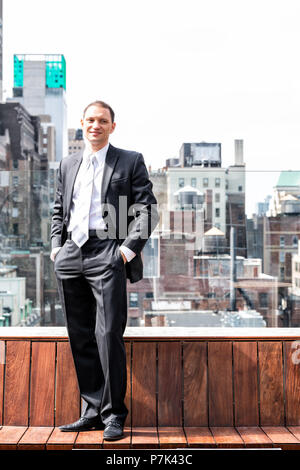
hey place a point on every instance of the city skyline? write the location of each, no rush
(199, 72)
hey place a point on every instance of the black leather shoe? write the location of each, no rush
(113, 431)
(83, 424)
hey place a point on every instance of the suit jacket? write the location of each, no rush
(129, 207)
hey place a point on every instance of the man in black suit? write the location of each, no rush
(103, 214)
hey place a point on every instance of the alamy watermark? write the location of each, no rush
(140, 220)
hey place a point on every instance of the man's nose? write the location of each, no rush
(96, 125)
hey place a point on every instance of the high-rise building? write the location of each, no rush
(25, 178)
(200, 154)
(201, 180)
(286, 194)
(76, 142)
(40, 86)
(262, 207)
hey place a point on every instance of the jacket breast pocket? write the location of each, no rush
(119, 186)
(119, 180)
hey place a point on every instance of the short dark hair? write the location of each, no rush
(104, 105)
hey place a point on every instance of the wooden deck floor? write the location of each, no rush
(51, 438)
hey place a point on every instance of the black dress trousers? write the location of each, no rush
(92, 288)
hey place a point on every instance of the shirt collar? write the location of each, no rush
(100, 154)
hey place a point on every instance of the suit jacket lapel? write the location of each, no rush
(110, 162)
(72, 173)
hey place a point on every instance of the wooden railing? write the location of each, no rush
(186, 387)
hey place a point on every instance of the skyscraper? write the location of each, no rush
(40, 86)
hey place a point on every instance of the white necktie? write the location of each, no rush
(80, 233)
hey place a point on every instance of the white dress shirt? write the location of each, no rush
(96, 221)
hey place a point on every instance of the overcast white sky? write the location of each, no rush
(177, 71)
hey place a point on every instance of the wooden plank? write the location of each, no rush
(292, 382)
(61, 440)
(123, 443)
(295, 430)
(254, 437)
(271, 383)
(220, 393)
(195, 384)
(169, 384)
(199, 437)
(144, 384)
(127, 400)
(245, 383)
(227, 437)
(35, 438)
(2, 369)
(10, 436)
(282, 437)
(89, 440)
(16, 387)
(67, 392)
(144, 438)
(171, 437)
(42, 384)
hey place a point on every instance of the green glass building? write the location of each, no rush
(55, 69)
(40, 86)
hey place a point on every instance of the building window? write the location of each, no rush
(205, 182)
(194, 182)
(282, 256)
(217, 197)
(263, 299)
(151, 258)
(282, 240)
(211, 295)
(240, 188)
(15, 195)
(217, 212)
(217, 182)
(295, 241)
(149, 295)
(133, 299)
(181, 182)
(15, 229)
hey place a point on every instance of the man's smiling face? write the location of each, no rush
(97, 126)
